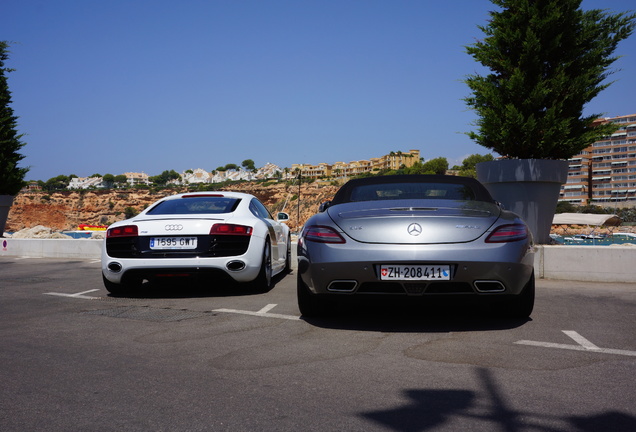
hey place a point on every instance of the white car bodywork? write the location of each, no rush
(197, 234)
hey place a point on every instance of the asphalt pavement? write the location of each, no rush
(214, 357)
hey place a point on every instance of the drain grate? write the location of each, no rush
(147, 313)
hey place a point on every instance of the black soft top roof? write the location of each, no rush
(344, 193)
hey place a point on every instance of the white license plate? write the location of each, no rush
(173, 243)
(414, 272)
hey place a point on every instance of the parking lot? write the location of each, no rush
(220, 358)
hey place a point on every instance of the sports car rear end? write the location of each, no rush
(214, 236)
(415, 236)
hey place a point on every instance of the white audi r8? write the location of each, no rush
(204, 234)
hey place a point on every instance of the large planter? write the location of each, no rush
(528, 187)
(5, 206)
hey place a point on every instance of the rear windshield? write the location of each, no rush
(195, 205)
(394, 191)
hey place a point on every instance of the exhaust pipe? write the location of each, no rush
(115, 267)
(343, 286)
(489, 286)
(235, 265)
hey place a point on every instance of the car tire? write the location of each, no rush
(113, 288)
(311, 305)
(263, 281)
(521, 306)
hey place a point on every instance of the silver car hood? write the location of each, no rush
(415, 222)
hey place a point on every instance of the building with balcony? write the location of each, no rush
(134, 179)
(392, 161)
(605, 173)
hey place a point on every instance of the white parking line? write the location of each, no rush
(76, 295)
(268, 308)
(581, 340)
(583, 345)
(264, 312)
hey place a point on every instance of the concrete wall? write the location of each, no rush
(51, 248)
(584, 263)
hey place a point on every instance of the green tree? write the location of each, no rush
(120, 180)
(468, 165)
(565, 207)
(248, 164)
(11, 175)
(163, 178)
(57, 183)
(547, 59)
(434, 166)
(130, 212)
(109, 180)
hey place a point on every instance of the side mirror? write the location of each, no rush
(282, 217)
(324, 206)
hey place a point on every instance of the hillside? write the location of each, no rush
(66, 210)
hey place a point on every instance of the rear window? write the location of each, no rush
(395, 191)
(195, 205)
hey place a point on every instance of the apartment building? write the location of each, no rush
(86, 183)
(605, 173)
(392, 161)
(134, 179)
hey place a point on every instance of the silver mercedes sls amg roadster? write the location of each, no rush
(415, 235)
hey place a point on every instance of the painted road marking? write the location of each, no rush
(264, 312)
(268, 308)
(583, 345)
(76, 295)
(581, 340)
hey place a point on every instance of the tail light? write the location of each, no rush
(322, 234)
(123, 231)
(231, 229)
(508, 233)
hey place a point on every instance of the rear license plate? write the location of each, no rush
(414, 272)
(173, 243)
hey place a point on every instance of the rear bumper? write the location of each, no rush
(492, 270)
(120, 270)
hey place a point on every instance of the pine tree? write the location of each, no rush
(11, 176)
(547, 60)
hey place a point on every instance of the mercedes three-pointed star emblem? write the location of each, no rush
(414, 229)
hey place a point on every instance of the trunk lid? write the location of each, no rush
(415, 221)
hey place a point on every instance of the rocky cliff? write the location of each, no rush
(68, 209)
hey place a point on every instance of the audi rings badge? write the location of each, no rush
(414, 229)
(174, 227)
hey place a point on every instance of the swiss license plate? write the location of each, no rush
(414, 272)
(173, 243)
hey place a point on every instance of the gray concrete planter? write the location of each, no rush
(5, 206)
(528, 187)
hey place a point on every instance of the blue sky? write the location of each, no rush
(117, 86)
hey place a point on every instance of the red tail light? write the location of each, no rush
(322, 234)
(230, 229)
(508, 233)
(123, 231)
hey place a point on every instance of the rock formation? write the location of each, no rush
(66, 210)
